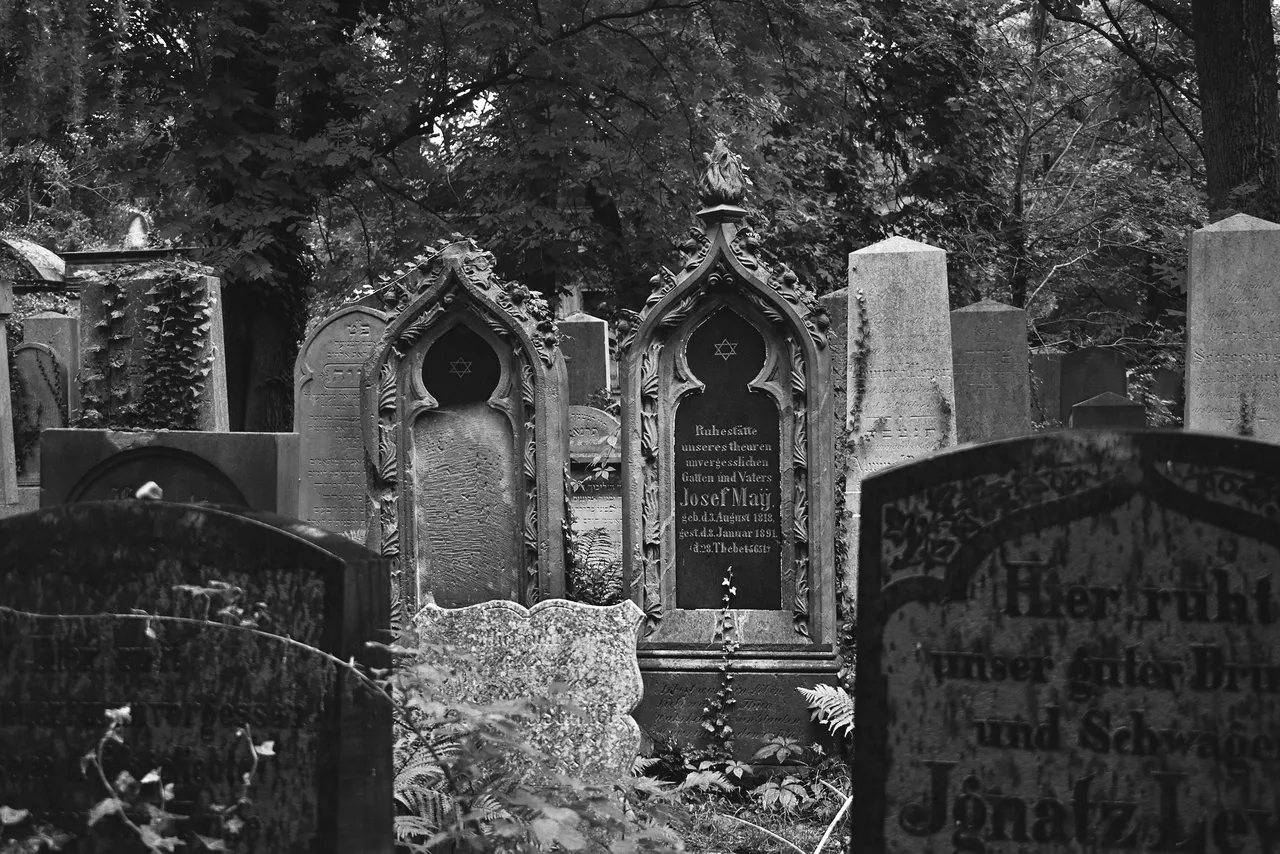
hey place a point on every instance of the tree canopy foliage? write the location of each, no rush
(1059, 150)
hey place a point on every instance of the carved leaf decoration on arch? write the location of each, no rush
(387, 453)
(649, 375)
(800, 515)
(680, 311)
(530, 452)
(526, 385)
(800, 607)
(387, 388)
(694, 249)
(649, 510)
(799, 445)
(649, 435)
(531, 530)
(797, 369)
(773, 315)
(389, 519)
(415, 330)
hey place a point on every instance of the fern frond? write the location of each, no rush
(830, 705)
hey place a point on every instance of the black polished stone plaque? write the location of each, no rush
(461, 367)
(727, 472)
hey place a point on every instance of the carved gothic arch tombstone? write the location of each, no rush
(465, 416)
(726, 466)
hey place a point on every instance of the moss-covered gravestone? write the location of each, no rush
(1069, 643)
(199, 695)
(727, 448)
(465, 417)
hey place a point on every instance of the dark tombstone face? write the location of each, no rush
(183, 476)
(191, 687)
(1071, 643)
(461, 367)
(727, 478)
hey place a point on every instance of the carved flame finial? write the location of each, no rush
(725, 182)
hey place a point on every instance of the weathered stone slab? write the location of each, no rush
(333, 491)
(1069, 642)
(465, 416)
(1090, 371)
(584, 655)
(596, 500)
(1046, 389)
(254, 470)
(41, 404)
(900, 382)
(191, 687)
(62, 334)
(1233, 329)
(1108, 410)
(118, 347)
(992, 378)
(584, 340)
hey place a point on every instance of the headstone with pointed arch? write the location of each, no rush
(465, 414)
(727, 448)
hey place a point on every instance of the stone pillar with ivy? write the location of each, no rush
(8, 457)
(152, 352)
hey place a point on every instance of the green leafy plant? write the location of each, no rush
(716, 713)
(596, 568)
(830, 705)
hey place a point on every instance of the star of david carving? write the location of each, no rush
(727, 348)
(459, 367)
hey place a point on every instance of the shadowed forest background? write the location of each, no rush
(1060, 152)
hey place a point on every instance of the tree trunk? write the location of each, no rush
(1236, 69)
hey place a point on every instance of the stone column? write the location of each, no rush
(8, 458)
(900, 391)
(1233, 329)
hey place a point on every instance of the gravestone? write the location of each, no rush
(1233, 329)
(465, 420)
(991, 374)
(73, 580)
(62, 334)
(584, 340)
(1046, 389)
(583, 657)
(130, 364)
(1088, 372)
(1069, 642)
(333, 491)
(727, 448)
(8, 455)
(596, 501)
(900, 382)
(1108, 410)
(41, 404)
(254, 470)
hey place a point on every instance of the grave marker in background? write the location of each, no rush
(900, 383)
(1233, 329)
(8, 455)
(62, 334)
(584, 340)
(254, 470)
(1046, 389)
(116, 310)
(327, 789)
(594, 464)
(41, 404)
(1059, 637)
(1108, 410)
(992, 379)
(1088, 372)
(726, 432)
(333, 491)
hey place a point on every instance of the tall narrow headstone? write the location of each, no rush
(41, 404)
(1108, 410)
(584, 340)
(1071, 642)
(992, 377)
(1090, 371)
(900, 383)
(1233, 329)
(8, 454)
(333, 491)
(726, 432)
(594, 454)
(136, 324)
(62, 334)
(465, 419)
(1046, 389)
